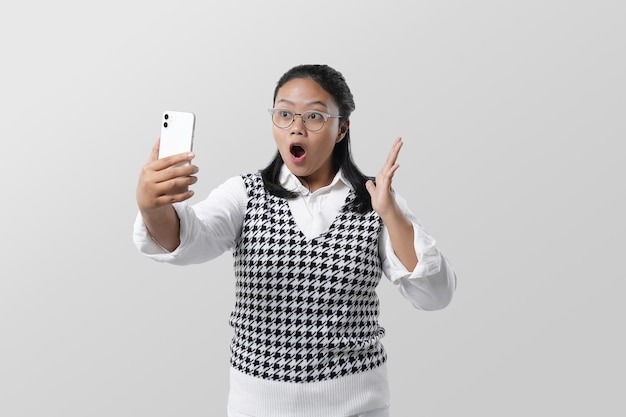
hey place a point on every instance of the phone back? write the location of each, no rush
(177, 129)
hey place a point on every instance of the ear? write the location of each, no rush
(343, 129)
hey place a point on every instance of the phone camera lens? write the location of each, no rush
(167, 116)
(164, 124)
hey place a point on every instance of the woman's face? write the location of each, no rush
(308, 155)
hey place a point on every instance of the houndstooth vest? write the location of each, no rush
(306, 309)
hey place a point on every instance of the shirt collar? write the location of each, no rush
(290, 182)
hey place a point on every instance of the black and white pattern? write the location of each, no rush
(306, 309)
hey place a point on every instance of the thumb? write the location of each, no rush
(369, 185)
(154, 154)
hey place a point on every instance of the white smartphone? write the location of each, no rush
(177, 130)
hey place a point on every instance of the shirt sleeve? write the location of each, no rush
(432, 283)
(207, 229)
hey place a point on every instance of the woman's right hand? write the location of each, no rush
(161, 183)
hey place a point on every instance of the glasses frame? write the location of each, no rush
(325, 116)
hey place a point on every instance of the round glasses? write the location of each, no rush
(312, 120)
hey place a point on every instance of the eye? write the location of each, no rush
(284, 114)
(313, 115)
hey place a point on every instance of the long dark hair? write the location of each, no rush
(335, 84)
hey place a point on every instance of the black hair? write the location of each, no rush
(335, 84)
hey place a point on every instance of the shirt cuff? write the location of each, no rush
(150, 247)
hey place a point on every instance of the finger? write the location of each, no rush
(392, 171)
(370, 186)
(173, 160)
(181, 174)
(173, 187)
(385, 178)
(174, 198)
(179, 184)
(154, 155)
(394, 152)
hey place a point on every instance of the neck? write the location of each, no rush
(315, 182)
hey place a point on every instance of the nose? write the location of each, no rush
(298, 124)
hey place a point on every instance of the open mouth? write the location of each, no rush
(297, 151)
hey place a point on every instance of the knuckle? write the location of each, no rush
(145, 170)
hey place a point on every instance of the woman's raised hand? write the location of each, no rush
(380, 192)
(161, 183)
(400, 229)
(165, 181)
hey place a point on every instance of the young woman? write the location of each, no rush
(311, 237)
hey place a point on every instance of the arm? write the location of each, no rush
(167, 229)
(431, 284)
(431, 292)
(207, 229)
(410, 256)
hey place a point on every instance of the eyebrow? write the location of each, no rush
(310, 103)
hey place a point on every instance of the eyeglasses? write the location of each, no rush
(312, 120)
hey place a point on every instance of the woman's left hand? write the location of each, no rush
(400, 229)
(382, 198)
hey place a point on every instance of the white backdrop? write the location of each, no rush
(513, 119)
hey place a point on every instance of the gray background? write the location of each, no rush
(513, 118)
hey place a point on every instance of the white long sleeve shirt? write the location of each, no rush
(212, 226)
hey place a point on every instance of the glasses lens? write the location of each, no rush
(313, 120)
(282, 118)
